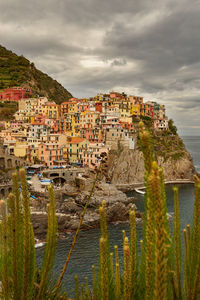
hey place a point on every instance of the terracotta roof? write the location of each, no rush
(66, 102)
(75, 140)
(38, 123)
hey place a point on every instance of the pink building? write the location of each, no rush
(116, 95)
(92, 156)
(50, 153)
(92, 135)
(111, 123)
(135, 99)
(58, 126)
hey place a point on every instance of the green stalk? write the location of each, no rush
(127, 271)
(103, 223)
(26, 245)
(76, 235)
(133, 251)
(50, 245)
(123, 234)
(177, 242)
(141, 277)
(150, 251)
(4, 252)
(117, 283)
(82, 292)
(111, 265)
(186, 263)
(19, 233)
(195, 244)
(117, 275)
(13, 246)
(76, 287)
(87, 293)
(94, 283)
(104, 269)
(161, 238)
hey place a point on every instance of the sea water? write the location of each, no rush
(86, 251)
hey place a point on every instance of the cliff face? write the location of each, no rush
(127, 166)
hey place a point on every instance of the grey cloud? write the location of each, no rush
(118, 62)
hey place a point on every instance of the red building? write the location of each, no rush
(98, 106)
(15, 94)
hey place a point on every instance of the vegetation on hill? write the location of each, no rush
(167, 144)
(7, 110)
(18, 71)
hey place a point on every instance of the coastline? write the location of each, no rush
(63, 234)
(124, 187)
(118, 206)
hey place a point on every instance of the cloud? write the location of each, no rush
(144, 47)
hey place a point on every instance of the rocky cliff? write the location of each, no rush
(69, 209)
(127, 166)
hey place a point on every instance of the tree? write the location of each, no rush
(172, 127)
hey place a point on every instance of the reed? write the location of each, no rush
(152, 273)
(17, 245)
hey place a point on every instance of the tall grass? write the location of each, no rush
(154, 272)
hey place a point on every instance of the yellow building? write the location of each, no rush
(125, 108)
(72, 124)
(135, 109)
(88, 119)
(33, 154)
(72, 107)
(21, 149)
(74, 148)
(51, 110)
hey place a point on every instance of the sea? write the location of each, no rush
(86, 251)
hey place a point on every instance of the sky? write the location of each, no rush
(148, 48)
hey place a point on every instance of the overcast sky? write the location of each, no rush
(147, 48)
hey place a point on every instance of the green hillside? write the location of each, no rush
(18, 71)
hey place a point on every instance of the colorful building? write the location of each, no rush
(50, 153)
(92, 156)
(14, 94)
(74, 148)
(51, 110)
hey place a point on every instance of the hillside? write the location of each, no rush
(18, 71)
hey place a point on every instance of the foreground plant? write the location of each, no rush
(20, 279)
(153, 272)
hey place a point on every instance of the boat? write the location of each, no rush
(140, 192)
(38, 245)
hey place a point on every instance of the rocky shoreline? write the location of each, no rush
(70, 202)
(69, 206)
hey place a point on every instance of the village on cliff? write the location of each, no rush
(77, 131)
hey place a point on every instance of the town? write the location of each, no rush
(77, 131)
